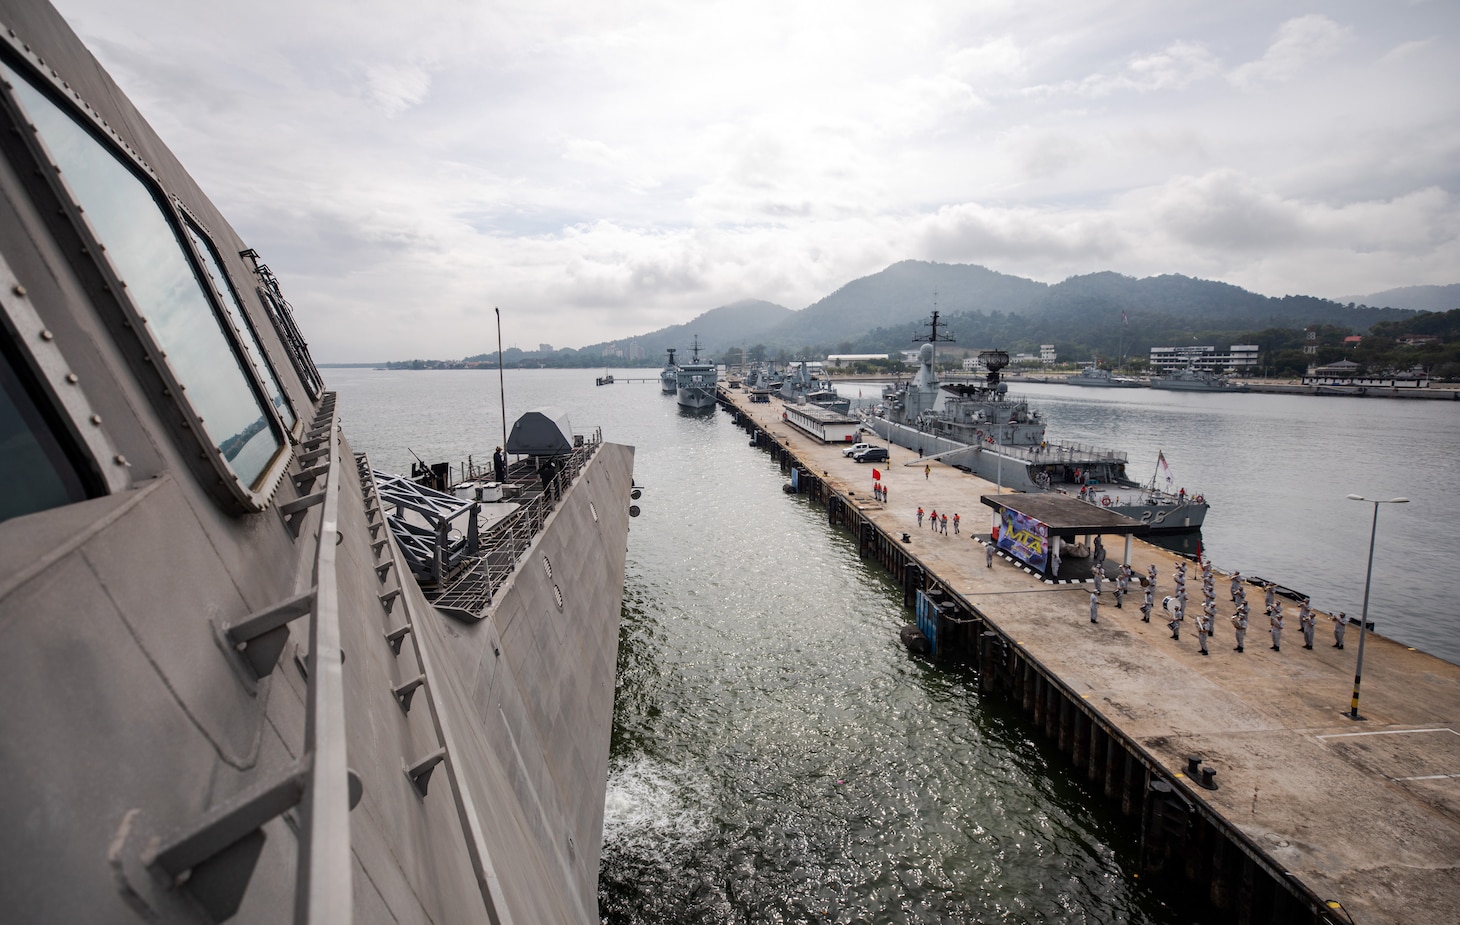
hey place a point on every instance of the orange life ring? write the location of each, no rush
(1105, 501)
(1199, 499)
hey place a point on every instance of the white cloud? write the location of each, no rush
(599, 170)
(1299, 43)
(1175, 67)
(396, 87)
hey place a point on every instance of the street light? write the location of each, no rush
(1364, 615)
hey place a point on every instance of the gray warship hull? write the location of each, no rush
(1014, 469)
(696, 397)
(1195, 380)
(696, 382)
(234, 701)
(980, 427)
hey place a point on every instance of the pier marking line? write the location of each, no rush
(1426, 777)
(1386, 732)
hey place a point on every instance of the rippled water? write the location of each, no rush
(778, 757)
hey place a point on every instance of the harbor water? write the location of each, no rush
(778, 757)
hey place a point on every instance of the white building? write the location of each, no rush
(847, 359)
(1237, 357)
(1046, 353)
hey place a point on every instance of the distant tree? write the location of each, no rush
(757, 353)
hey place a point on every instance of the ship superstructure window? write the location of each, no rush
(36, 472)
(145, 250)
(282, 315)
(251, 346)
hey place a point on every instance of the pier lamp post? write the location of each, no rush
(1364, 614)
(999, 457)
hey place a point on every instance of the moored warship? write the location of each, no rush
(669, 375)
(1191, 379)
(805, 383)
(696, 381)
(980, 427)
(1094, 376)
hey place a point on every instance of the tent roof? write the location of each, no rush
(541, 432)
(1066, 516)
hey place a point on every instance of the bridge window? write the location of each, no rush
(37, 469)
(209, 378)
(228, 298)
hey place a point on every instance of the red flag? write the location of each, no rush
(876, 476)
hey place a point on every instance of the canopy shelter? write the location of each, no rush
(1035, 527)
(541, 432)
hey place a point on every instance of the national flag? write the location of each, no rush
(1123, 318)
(1161, 461)
(876, 476)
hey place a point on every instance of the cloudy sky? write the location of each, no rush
(599, 170)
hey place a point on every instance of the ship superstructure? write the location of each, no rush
(234, 701)
(696, 382)
(980, 426)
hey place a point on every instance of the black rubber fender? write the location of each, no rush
(914, 640)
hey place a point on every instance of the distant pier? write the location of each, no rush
(1314, 817)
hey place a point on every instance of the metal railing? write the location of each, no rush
(419, 768)
(218, 851)
(1057, 454)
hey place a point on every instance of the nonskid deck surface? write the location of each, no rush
(1367, 812)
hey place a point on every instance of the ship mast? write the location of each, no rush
(932, 327)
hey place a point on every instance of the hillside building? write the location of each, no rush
(838, 360)
(1237, 358)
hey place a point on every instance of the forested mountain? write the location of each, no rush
(717, 329)
(1083, 314)
(1419, 298)
(905, 292)
(1105, 315)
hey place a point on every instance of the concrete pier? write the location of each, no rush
(1310, 807)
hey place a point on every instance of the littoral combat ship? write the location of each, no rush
(229, 696)
(980, 427)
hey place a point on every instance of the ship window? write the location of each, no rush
(36, 472)
(145, 251)
(251, 346)
(282, 315)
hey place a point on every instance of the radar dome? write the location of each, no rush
(925, 354)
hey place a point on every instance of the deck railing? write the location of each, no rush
(217, 852)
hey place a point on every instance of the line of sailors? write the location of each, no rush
(1174, 605)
